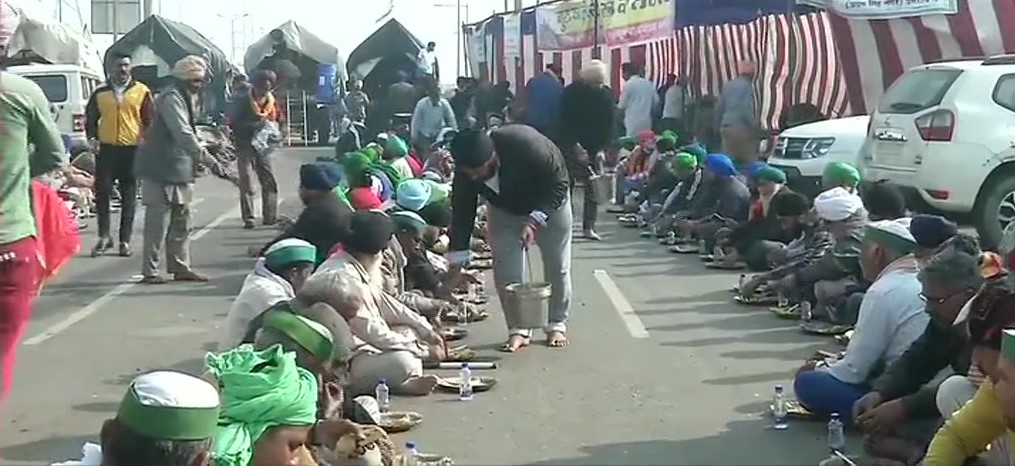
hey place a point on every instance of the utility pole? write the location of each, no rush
(518, 5)
(116, 20)
(59, 11)
(595, 30)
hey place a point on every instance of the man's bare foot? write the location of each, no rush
(590, 235)
(418, 386)
(556, 339)
(514, 343)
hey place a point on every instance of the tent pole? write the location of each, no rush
(458, 48)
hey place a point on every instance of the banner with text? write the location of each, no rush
(570, 24)
(885, 9)
(513, 36)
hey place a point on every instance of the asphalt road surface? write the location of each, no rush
(662, 368)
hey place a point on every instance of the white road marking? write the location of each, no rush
(93, 307)
(621, 305)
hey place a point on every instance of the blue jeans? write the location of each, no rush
(823, 394)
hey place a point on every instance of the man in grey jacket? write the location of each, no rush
(737, 115)
(167, 162)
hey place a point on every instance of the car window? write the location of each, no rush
(918, 90)
(1004, 92)
(53, 85)
(87, 87)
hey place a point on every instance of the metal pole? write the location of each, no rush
(147, 9)
(459, 50)
(116, 20)
(595, 30)
(506, 8)
(59, 11)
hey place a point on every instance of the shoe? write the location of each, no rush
(125, 250)
(154, 280)
(102, 246)
(189, 276)
(248, 225)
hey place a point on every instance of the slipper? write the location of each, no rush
(756, 300)
(816, 327)
(786, 312)
(726, 266)
(684, 249)
(844, 338)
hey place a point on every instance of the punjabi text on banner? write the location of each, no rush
(885, 9)
(569, 24)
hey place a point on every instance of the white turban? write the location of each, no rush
(837, 204)
(189, 67)
(10, 19)
(595, 72)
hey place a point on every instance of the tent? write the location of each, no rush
(309, 51)
(157, 43)
(40, 38)
(378, 59)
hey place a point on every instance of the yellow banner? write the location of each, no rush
(569, 24)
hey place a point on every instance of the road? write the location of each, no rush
(662, 369)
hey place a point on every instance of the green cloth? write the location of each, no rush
(395, 148)
(684, 163)
(889, 240)
(308, 334)
(666, 143)
(25, 112)
(166, 422)
(288, 252)
(770, 173)
(439, 192)
(1008, 345)
(356, 165)
(670, 134)
(342, 191)
(841, 174)
(259, 390)
(698, 151)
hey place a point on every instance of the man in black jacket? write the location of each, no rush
(904, 393)
(522, 176)
(588, 114)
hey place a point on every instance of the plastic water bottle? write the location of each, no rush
(383, 395)
(465, 387)
(740, 284)
(411, 455)
(779, 410)
(836, 436)
(806, 311)
(783, 300)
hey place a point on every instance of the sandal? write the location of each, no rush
(815, 327)
(791, 311)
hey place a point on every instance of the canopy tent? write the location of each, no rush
(157, 43)
(378, 59)
(41, 38)
(309, 51)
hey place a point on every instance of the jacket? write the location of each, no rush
(244, 122)
(542, 109)
(736, 104)
(119, 121)
(532, 178)
(766, 227)
(969, 431)
(587, 116)
(906, 379)
(322, 223)
(261, 290)
(170, 149)
(732, 199)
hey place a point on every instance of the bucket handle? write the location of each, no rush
(527, 266)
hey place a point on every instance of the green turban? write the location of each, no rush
(666, 143)
(259, 390)
(627, 142)
(770, 173)
(684, 163)
(373, 152)
(356, 165)
(840, 174)
(395, 148)
(670, 134)
(698, 152)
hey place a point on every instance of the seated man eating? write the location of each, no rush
(891, 317)
(325, 217)
(749, 244)
(730, 201)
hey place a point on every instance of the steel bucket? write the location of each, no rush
(530, 302)
(605, 188)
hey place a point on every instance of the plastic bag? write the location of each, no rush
(267, 139)
(57, 235)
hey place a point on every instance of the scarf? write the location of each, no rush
(260, 390)
(267, 110)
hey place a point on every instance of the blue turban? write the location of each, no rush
(320, 176)
(413, 194)
(720, 164)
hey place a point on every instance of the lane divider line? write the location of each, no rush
(620, 304)
(91, 308)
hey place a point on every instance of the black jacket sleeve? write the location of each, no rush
(92, 116)
(464, 200)
(906, 377)
(552, 178)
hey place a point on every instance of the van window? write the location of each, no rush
(53, 85)
(87, 86)
(918, 90)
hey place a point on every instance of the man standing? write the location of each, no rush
(427, 61)
(527, 190)
(542, 97)
(676, 108)
(432, 114)
(587, 120)
(738, 116)
(637, 100)
(30, 146)
(356, 101)
(167, 163)
(116, 117)
(252, 113)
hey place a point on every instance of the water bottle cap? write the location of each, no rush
(382, 382)
(778, 387)
(835, 415)
(465, 365)
(410, 445)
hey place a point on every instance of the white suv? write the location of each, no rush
(802, 152)
(946, 132)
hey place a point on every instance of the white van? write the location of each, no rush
(68, 88)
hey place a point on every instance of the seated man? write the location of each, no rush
(391, 340)
(166, 419)
(985, 425)
(275, 278)
(750, 243)
(891, 317)
(824, 282)
(884, 201)
(688, 174)
(901, 407)
(731, 201)
(930, 232)
(633, 171)
(661, 178)
(325, 217)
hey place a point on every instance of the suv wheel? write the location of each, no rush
(995, 210)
